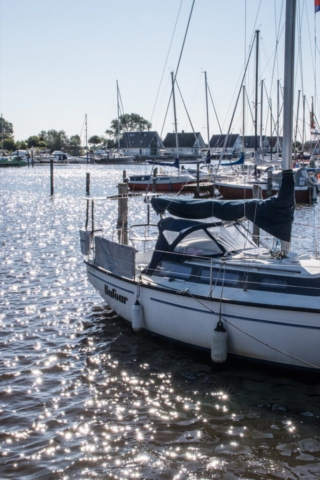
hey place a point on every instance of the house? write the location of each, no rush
(141, 143)
(252, 143)
(227, 144)
(189, 143)
(275, 144)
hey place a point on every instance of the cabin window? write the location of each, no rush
(198, 243)
(219, 277)
(170, 236)
(230, 238)
(175, 270)
(273, 283)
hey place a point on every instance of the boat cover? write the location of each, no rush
(175, 164)
(274, 215)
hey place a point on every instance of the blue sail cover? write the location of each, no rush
(274, 215)
(240, 161)
(175, 164)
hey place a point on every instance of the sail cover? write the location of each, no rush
(274, 215)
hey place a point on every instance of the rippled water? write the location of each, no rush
(82, 396)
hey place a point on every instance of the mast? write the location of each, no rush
(118, 117)
(271, 132)
(288, 93)
(86, 130)
(278, 115)
(2, 134)
(256, 96)
(296, 130)
(261, 115)
(175, 115)
(207, 111)
(304, 123)
(243, 117)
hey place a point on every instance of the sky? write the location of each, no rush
(60, 61)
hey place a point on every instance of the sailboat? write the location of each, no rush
(165, 181)
(206, 283)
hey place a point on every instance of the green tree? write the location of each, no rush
(33, 141)
(21, 145)
(74, 147)
(9, 144)
(55, 140)
(6, 128)
(128, 123)
(94, 140)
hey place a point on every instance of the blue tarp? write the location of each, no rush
(274, 215)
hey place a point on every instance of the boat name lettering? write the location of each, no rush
(113, 294)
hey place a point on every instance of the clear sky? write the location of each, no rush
(60, 60)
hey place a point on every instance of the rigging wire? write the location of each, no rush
(177, 69)
(165, 63)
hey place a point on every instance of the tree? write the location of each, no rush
(33, 141)
(9, 144)
(94, 140)
(6, 128)
(128, 123)
(74, 145)
(21, 145)
(55, 140)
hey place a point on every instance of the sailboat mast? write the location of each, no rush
(175, 115)
(296, 130)
(288, 93)
(2, 135)
(207, 110)
(243, 117)
(256, 95)
(288, 84)
(118, 118)
(86, 129)
(261, 114)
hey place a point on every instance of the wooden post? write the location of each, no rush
(256, 193)
(122, 224)
(124, 174)
(51, 178)
(88, 183)
(154, 180)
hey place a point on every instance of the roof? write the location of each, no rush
(138, 139)
(273, 141)
(218, 141)
(185, 140)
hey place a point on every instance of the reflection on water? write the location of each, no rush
(83, 396)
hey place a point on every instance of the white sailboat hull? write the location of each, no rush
(280, 329)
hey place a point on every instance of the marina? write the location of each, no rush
(84, 396)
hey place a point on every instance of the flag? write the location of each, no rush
(316, 6)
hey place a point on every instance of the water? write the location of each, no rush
(83, 397)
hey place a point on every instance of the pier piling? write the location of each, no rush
(51, 178)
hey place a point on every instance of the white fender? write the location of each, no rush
(137, 316)
(219, 347)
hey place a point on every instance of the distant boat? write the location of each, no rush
(241, 187)
(12, 161)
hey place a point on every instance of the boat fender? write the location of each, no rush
(219, 347)
(137, 316)
(85, 242)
